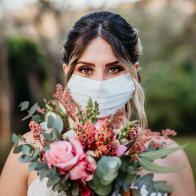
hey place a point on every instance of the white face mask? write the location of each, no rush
(111, 94)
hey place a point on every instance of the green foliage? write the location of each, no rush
(14, 138)
(150, 166)
(91, 113)
(24, 105)
(31, 111)
(150, 185)
(106, 172)
(157, 154)
(54, 121)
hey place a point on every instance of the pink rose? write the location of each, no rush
(69, 157)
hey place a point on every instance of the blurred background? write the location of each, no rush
(32, 33)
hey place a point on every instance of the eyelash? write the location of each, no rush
(85, 68)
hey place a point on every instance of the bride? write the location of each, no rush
(102, 47)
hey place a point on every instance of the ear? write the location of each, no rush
(65, 68)
(137, 66)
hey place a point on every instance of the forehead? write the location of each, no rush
(98, 50)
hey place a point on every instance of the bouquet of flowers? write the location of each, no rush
(81, 154)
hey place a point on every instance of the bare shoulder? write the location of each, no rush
(14, 175)
(182, 180)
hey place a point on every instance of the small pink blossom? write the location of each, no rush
(168, 132)
(58, 93)
(120, 150)
(36, 131)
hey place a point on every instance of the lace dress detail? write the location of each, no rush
(39, 188)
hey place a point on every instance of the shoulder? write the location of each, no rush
(182, 180)
(12, 161)
(14, 174)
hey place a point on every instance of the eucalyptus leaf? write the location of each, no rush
(33, 109)
(162, 186)
(32, 166)
(108, 164)
(56, 135)
(50, 121)
(52, 181)
(36, 153)
(156, 154)
(24, 158)
(54, 121)
(15, 138)
(58, 187)
(150, 166)
(26, 117)
(47, 136)
(26, 148)
(147, 178)
(24, 105)
(109, 177)
(36, 118)
(41, 166)
(18, 149)
(103, 190)
(43, 173)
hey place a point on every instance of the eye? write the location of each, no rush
(85, 69)
(115, 68)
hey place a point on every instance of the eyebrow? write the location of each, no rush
(92, 64)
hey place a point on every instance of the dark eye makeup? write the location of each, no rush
(111, 69)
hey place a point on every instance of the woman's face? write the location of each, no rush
(98, 62)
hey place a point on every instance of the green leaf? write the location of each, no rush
(47, 136)
(41, 166)
(15, 138)
(24, 158)
(36, 118)
(54, 121)
(35, 154)
(71, 123)
(162, 186)
(150, 166)
(26, 148)
(26, 117)
(43, 173)
(52, 181)
(58, 187)
(17, 149)
(62, 110)
(32, 166)
(56, 135)
(51, 121)
(147, 178)
(108, 164)
(103, 190)
(156, 154)
(33, 109)
(109, 177)
(58, 124)
(24, 105)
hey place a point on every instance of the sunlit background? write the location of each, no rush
(32, 33)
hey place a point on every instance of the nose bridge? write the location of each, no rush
(100, 73)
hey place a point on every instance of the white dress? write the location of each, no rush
(39, 188)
